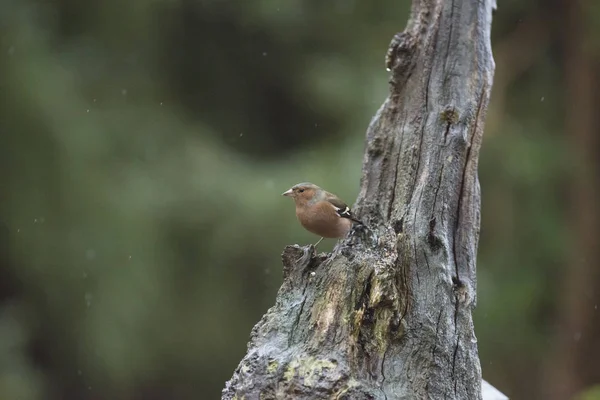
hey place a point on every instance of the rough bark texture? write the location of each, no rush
(387, 315)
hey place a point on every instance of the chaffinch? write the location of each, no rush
(321, 212)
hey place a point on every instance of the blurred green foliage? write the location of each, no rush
(144, 148)
(592, 393)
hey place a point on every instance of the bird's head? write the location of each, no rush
(302, 193)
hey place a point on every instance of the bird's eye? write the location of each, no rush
(301, 190)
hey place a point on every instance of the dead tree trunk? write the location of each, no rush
(387, 315)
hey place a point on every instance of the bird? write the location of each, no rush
(321, 212)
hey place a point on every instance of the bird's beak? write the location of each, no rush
(289, 193)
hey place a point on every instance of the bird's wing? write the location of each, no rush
(342, 208)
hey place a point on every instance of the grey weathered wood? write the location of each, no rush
(387, 315)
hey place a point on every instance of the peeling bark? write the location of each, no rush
(387, 315)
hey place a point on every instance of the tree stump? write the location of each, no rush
(387, 315)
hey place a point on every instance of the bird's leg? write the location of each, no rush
(315, 247)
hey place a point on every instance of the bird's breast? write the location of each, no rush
(325, 223)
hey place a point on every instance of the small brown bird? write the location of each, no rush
(321, 212)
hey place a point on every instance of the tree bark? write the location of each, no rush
(387, 315)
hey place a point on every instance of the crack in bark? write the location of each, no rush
(448, 125)
(299, 315)
(480, 104)
(458, 209)
(422, 135)
(397, 167)
(437, 330)
(427, 261)
(415, 247)
(457, 333)
(454, 363)
(363, 301)
(393, 191)
(439, 185)
(404, 282)
(437, 189)
(383, 372)
(449, 36)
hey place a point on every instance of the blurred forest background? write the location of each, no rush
(144, 146)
